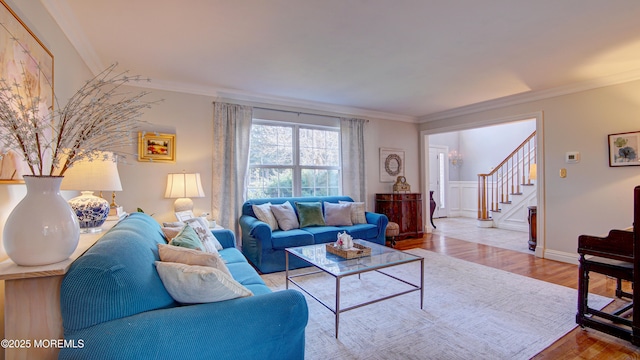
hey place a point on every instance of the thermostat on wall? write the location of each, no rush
(572, 157)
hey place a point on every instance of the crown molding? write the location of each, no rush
(276, 101)
(62, 14)
(531, 96)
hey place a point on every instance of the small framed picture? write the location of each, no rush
(156, 147)
(624, 149)
(184, 215)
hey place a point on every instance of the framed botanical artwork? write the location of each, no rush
(624, 149)
(156, 147)
(391, 164)
(26, 61)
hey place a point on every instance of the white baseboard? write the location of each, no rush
(571, 258)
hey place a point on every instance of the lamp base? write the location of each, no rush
(91, 211)
(183, 204)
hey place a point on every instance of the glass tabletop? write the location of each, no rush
(381, 256)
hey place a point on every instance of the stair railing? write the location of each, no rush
(505, 180)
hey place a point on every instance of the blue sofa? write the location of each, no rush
(113, 299)
(265, 248)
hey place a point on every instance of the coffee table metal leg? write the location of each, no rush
(286, 270)
(421, 282)
(337, 304)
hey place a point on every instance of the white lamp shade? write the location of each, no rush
(184, 186)
(100, 173)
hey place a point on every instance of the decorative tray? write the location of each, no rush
(355, 252)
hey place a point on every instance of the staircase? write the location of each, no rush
(505, 193)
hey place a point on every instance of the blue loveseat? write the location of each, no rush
(113, 299)
(264, 247)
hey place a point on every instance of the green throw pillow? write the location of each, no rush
(310, 214)
(187, 238)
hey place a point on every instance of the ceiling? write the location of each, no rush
(410, 60)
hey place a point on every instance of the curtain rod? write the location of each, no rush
(301, 112)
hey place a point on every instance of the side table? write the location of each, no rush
(32, 302)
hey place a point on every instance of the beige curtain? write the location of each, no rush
(352, 142)
(231, 134)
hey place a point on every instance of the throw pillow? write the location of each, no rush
(285, 215)
(357, 212)
(337, 214)
(310, 214)
(171, 232)
(182, 255)
(201, 227)
(263, 213)
(187, 238)
(193, 284)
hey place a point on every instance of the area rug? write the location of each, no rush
(470, 311)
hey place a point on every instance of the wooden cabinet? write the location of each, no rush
(403, 209)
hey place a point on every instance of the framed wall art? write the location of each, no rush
(22, 51)
(624, 149)
(391, 164)
(156, 147)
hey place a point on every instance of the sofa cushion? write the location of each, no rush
(310, 214)
(170, 253)
(324, 234)
(337, 214)
(291, 238)
(286, 216)
(193, 284)
(187, 238)
(245, 274)
(232, 255)
(119, 275)
(361, 231)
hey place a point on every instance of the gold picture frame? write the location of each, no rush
(156, 147)
(22, 50)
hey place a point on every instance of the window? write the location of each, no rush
(293, 160)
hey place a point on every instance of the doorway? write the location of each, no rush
(438, 181)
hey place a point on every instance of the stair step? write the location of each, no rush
(527, 184)
(505, 202)
(515, 194)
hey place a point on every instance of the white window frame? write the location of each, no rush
(296, 167)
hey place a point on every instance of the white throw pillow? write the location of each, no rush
(193, 284)
(201, 226)
(286, 216)
(337, 214)
(357, 212)
(187, 256)
(263, 213)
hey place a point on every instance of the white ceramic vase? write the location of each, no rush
(42, 229)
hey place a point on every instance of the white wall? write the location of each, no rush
(593, 198)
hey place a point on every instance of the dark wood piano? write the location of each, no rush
(617, 255)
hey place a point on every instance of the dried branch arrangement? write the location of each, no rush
(99, 117)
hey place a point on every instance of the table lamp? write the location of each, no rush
(98, 173)
(182, 187)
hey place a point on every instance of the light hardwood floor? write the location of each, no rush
(579, 343)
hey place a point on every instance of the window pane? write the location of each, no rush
(320, 182)
(269, 183)
(271, 145)
(319, 147)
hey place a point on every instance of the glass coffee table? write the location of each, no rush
(381, 257)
